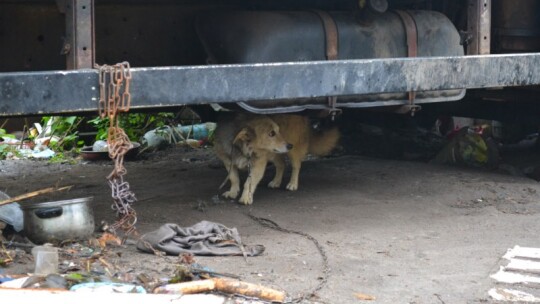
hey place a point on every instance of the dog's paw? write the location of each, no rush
(230, 194)
(292, 186)
(274, 184)
(246, 200)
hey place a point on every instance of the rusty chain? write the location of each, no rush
(114, 97)
(325, 274)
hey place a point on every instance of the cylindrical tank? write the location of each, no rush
(263, 37)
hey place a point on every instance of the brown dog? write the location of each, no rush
(249, 142)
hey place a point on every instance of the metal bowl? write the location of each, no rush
(57, 221)
(88, 154)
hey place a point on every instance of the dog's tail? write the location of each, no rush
(323, 142)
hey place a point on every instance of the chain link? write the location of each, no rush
(114, 97)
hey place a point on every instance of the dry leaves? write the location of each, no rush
(106, 239)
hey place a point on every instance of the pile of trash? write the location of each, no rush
(36, 143)
(94, 267)
(194, 136)
(94, 263)
(38, 147)
(472, 146)
(75, 267)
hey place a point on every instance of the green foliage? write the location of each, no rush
(3, 133)
(65, 128)
(63, 158)
(101, 125)
(134, 124)
(5, 149)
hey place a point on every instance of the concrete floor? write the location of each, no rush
(403, 232)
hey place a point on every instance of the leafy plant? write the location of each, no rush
(63, 158)
(101, 125)
(3, 133)
(134, 124)
(65, 128)
(5, 149)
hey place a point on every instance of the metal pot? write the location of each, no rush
(53, 222)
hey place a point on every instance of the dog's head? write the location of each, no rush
(261, 134)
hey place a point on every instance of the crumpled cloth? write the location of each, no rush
(203, 238)
(11, 214)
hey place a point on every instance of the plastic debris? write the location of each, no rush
(100, 146)
(198, 131)
(472, 146)
(108, 287)
(38, 147)
(5, 278)
(159, 138)
(11, 214)
(46, 259)
(192, 135)
(37, 153)
(16, 283)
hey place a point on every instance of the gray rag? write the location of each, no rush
(203, 238)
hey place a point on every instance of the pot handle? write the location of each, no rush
(49, 212)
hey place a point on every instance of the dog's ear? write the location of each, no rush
(246, 135)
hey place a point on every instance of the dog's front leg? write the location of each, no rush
(256, 173)
(279, 162)
(234, 178)
(296, 163)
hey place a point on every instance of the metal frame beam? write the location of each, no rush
(24, 93)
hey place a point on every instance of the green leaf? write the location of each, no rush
(70, 120)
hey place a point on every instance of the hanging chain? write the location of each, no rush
(114, 97)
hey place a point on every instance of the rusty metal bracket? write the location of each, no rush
(79, 44)
(412, 51)
(330, 33)
(332, 50)
(479, 25)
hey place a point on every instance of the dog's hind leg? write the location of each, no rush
(279, 162)
(234, 178)
(255, 175)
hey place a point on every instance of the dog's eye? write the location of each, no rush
(272, 133)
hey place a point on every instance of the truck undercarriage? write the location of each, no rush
(268, 57)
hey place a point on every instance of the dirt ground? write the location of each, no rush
(403, 232)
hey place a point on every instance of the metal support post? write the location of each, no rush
(479, 26)
(79, 44)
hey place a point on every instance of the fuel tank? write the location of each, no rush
(279, 36)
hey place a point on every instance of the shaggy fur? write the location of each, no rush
(250, 142)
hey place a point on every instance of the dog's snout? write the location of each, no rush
(289, 146)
